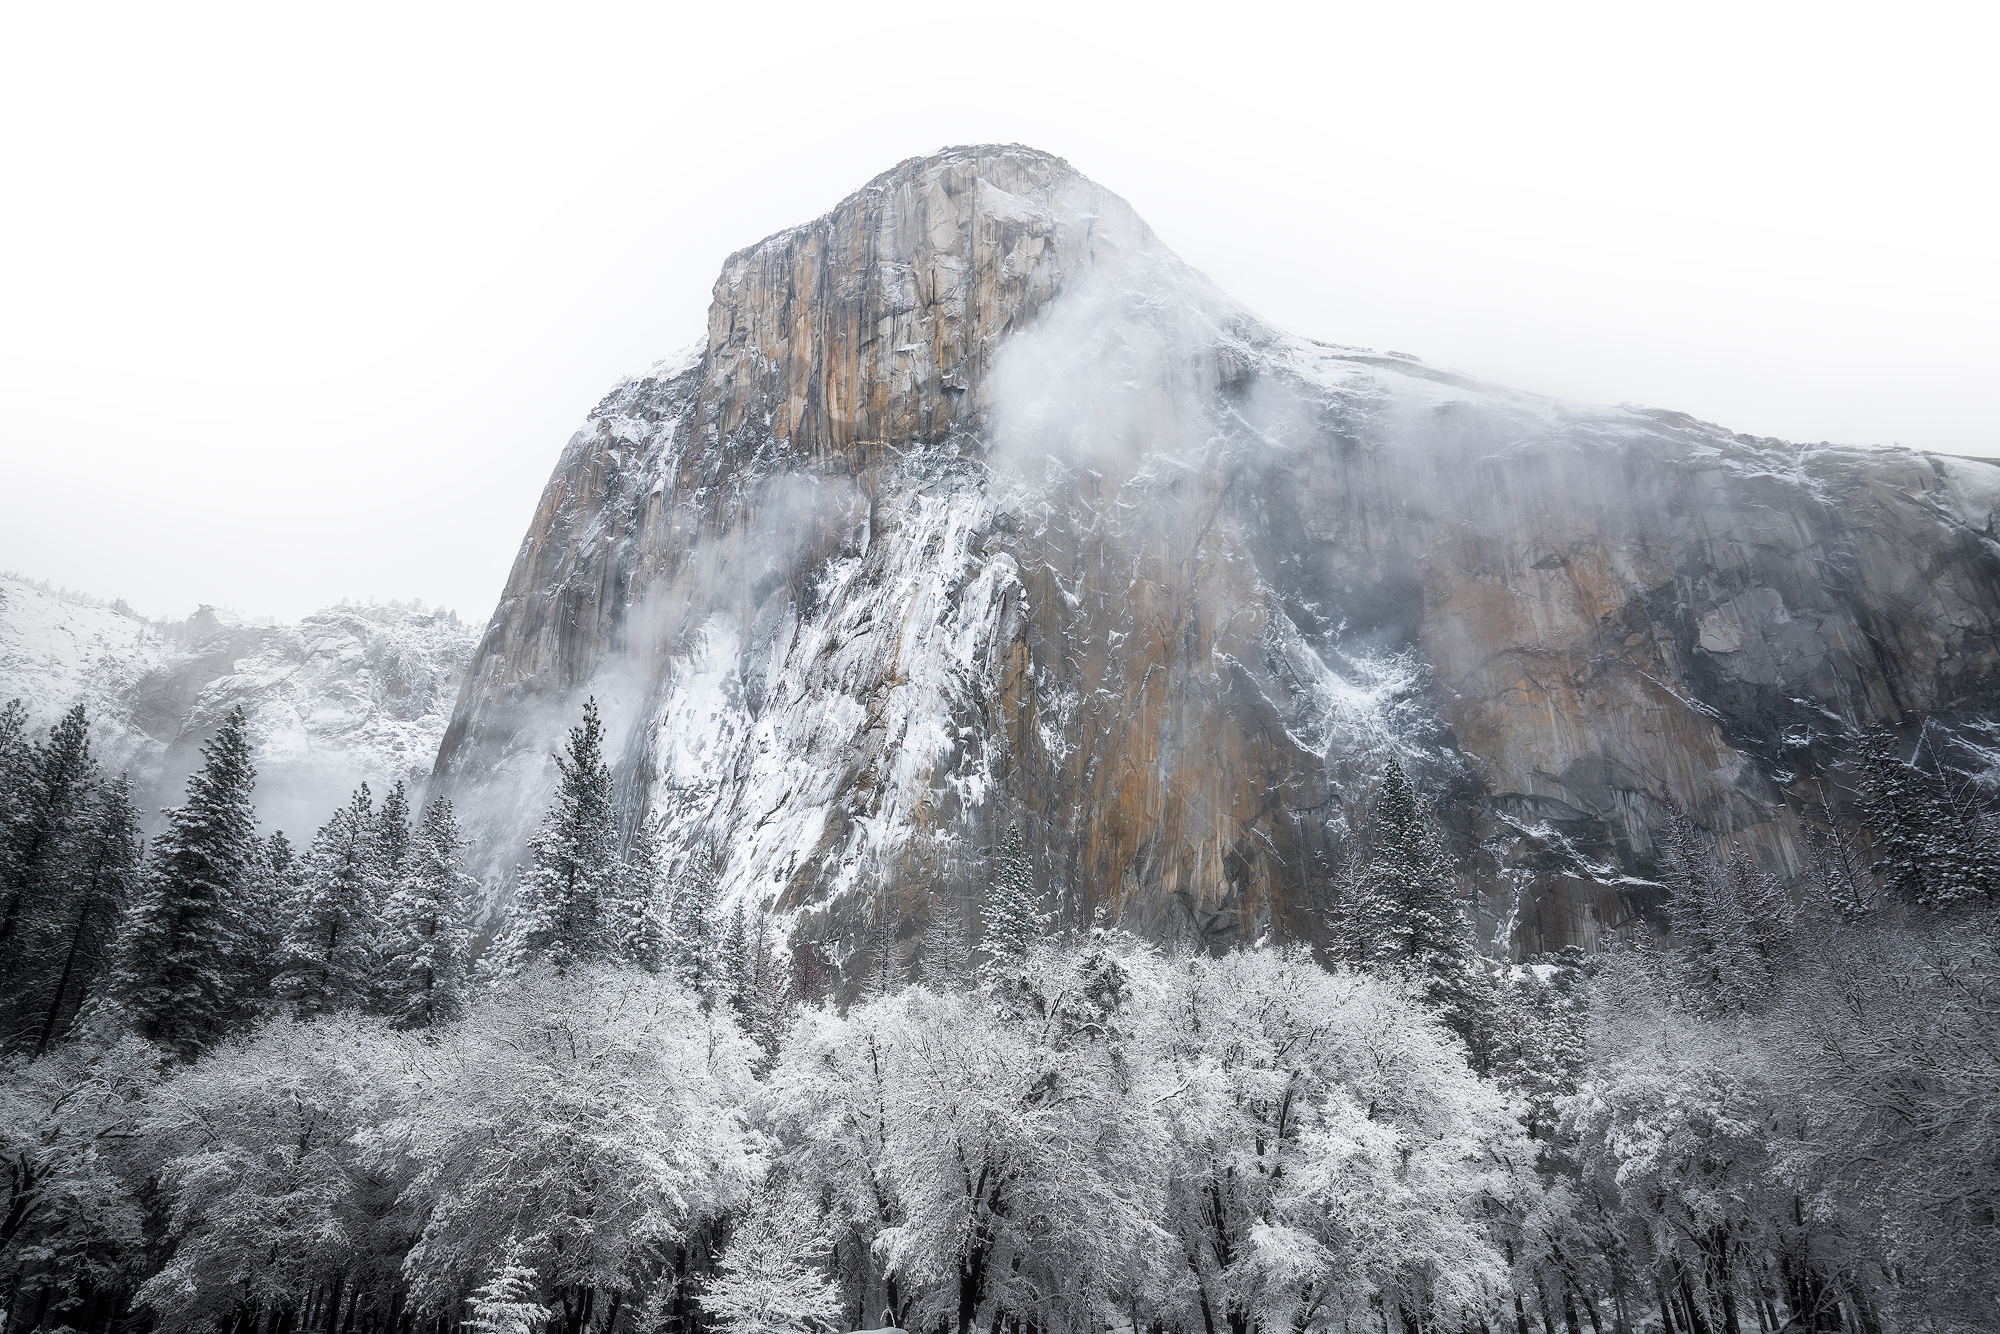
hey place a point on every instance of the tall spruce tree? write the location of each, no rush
(736, 968)
(1009, 916)
(1925, 854)
(693, 929)
(330, 956)
(641, 933)
(1730, 920)
(427, 929)
(1419, 927)
(104, 880)
(13, 761)
(53, 783)
(264, 918)
(559, 915)
(173, 980)
(393, 834)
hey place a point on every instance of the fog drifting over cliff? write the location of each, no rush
(327, 288)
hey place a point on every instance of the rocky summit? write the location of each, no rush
(978, 508)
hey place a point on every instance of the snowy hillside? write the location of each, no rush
(349, 694)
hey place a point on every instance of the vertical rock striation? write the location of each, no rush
(978, 506)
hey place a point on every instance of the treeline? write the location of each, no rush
(279, 1095)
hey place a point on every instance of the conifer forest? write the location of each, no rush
(258, 1086)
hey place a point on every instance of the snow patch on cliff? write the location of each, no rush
(857, 746)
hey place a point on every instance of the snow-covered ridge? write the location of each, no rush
(352, 693)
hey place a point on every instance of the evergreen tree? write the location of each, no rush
(944, 958)
(1839, 881)
(172, 981)
(1419, 927)
(1009, 915)
(1927, 852)
(330, 960)
(770, 988)
(1965, 849)
(1731, 920)
(263, 920)
(52, 784)
(693, 932)
(392, 835)
(280, 856)
(15, 754)
(426, 931)
(735, 977)
(640, 931)
(1897, 809)
(105, 875)
(559, 913)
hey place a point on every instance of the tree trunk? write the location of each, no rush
(1542, 1301)
(971, 1272)
(1697, 1317)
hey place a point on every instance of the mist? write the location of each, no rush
(332, 290)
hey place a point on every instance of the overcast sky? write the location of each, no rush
(297, 305)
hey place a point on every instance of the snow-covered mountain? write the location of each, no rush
(350, 694)
(978, 507)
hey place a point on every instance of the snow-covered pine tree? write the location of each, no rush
(1010, 917)
(330, 958)
(426, 927)
(393, 834)
(691, 916)
(770, 987)
(1964, 849)
(281, 857)
(52, 783)
(559, 915)
(1730, 920)
(1913, 830)
(177, 946)
(505, 1303)
(390, 839)
(1421, 929)
(14, 753)
(104, 877)
(944, 951)
(735, 962)
(264, 908)
(640, 932)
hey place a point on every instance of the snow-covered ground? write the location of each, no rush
(350, 694)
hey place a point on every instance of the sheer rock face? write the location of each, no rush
(978, 507)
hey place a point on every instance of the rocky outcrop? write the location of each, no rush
(350, 694)
(978, 507)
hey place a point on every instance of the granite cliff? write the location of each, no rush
(977, 506)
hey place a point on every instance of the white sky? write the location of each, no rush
(297, 305)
